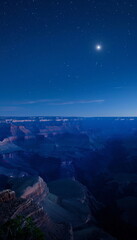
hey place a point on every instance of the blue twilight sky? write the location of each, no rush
(68, 57)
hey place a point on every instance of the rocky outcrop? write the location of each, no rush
(7, 195)
(33, 192)
(11, 207)
(38, 191)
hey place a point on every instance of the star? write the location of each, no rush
(98, 47)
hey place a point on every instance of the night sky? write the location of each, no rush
(68, 57)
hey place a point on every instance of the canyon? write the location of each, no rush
(75, 177)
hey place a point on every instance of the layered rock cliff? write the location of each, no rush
(38, 191)
(11, 207)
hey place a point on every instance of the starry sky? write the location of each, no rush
(68, 57)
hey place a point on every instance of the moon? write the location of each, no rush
(98, 47)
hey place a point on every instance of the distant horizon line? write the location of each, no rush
(56, 116)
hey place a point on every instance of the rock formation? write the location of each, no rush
(7, 195)
(37, 192)
(11, 207)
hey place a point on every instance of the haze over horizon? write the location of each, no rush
(68, 58)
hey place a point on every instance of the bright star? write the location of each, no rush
(98, 47)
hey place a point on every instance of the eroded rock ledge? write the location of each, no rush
(28, 206)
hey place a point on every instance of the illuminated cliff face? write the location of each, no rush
(12, 207)
(37, 192)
